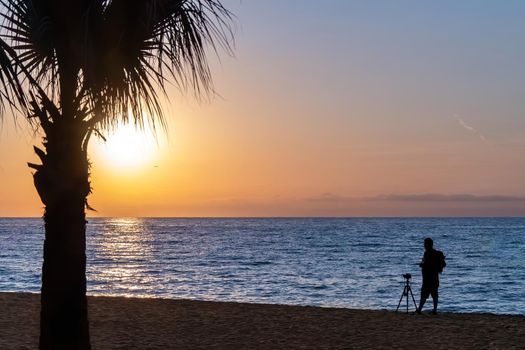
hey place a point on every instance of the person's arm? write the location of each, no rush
(423, 260)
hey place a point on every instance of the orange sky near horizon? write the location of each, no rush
(391, 121)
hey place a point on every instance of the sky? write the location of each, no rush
(332, 108)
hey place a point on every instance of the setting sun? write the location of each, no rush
(129, 147)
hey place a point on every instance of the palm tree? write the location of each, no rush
(78, 68)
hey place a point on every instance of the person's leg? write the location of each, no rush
(435, 297)
(424, 295)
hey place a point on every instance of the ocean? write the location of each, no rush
(330, 262)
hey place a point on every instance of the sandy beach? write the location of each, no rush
(131, 323)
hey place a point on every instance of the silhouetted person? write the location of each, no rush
(431, 265)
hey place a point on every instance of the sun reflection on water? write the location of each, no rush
(123, 251)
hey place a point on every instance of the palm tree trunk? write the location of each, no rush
(62, 183)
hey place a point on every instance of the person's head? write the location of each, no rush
(429, 243)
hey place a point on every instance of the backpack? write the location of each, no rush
(440, 261)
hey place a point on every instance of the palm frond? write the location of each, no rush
(147, 43)
(30, 32)
(11, 88)
(105, 61)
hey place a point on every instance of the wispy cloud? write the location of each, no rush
(470, 128)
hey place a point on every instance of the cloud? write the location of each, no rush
(436, 197)
(470, 128)
(328, 197)
(420, 197)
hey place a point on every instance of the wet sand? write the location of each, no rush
(131, 323)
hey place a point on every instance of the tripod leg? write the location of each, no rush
(408, 289)
(400, 299)
(414, 300)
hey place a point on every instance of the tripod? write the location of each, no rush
(407, 290)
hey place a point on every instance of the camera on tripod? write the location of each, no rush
(406, 291)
